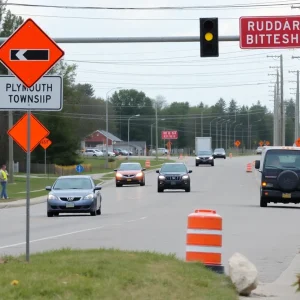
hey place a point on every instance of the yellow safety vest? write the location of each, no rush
(3, 175)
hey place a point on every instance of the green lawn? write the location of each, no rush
(109, 275)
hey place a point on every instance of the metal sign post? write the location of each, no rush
(28, 188)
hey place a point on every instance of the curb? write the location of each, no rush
(34, 201)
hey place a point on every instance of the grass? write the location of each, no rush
(110, 275)
(17, 190)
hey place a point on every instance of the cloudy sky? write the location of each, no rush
(173, 70)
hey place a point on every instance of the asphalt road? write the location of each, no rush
(138, 218)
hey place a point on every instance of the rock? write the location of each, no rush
(243, 274)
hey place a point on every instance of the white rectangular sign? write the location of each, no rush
(45, 95)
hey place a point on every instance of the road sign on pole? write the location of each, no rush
(45, 143)
(237, 143)
(169, 135)
(44, 95)
(29, 53)
(270, 32)
(79, 168)
(20, 130)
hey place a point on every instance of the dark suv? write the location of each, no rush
(280, 175)
(174, 176)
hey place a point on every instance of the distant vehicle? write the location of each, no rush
(173, 176)
(160, 151)
(219, 152)
(205, 158)
(203, 144)
(93, 153)
(110, 153)
(74, 194)
(259, 150)
(280, 175)
(130, 173)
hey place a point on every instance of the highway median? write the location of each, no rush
(110, 274)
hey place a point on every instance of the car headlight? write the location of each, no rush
(89, 197)
(185, 177)
(161, 177)
(52, 197)
(118, 175)
(140, 174)
(197, 157)
(210, 157)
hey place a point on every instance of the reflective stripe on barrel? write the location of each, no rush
(204, 237)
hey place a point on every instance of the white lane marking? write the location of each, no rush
(66, 234)
(129, 221)
(58, 236)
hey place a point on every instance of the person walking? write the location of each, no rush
(3, 180)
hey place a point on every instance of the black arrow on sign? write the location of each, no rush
(29, 55)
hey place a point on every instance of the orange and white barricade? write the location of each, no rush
(147, 164)
(249, 168)
(204, 239)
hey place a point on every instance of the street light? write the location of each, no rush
(106, 113)
(152, 134)
(229, 136)
(217, 137)
(250, 131)
(221, 137)
(210, 125)
(128, 126)
(235, 128)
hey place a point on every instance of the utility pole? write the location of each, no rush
(296, 131)
(202, 124)
(248, 138)
(281, 112)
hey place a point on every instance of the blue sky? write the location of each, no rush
(173, 70)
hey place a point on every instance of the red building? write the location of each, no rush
(98, 137)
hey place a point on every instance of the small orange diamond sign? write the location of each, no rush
(30, 53)
(45, 143)
(19, 132)
(237, 143)
(297, 142)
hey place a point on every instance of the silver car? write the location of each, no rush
(74, 194)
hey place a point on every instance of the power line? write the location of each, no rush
(199, 7)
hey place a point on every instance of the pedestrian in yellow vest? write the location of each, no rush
(3, 180)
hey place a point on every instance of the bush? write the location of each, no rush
(111, 159)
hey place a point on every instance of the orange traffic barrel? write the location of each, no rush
(147, 164)
(204, 239)
(230, 155)
(249, 167)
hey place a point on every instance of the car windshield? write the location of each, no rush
(219, 150)
(128, 166)
(204, 152)
(173, 168)
(282, 159)
(73, 183)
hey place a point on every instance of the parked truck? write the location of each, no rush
(203, 151)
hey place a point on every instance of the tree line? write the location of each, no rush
(83, 113)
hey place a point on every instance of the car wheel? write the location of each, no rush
(49, 214)
(197, 165)
(263, 202)
(213, 163)
(56, 214)
(118, 185)
(160, 190)
(188, 189)
(142, 183)
(98, 211)
(224, 157)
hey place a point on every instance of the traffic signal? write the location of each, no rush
(209, 37)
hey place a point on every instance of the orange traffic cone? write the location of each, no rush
(249, 168)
